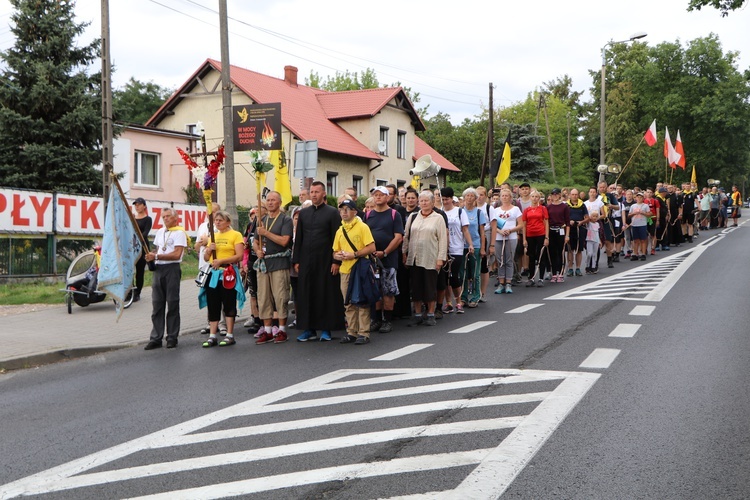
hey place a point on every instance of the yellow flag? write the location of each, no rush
(207, 197)
(281, 175)
(415, 182)
(693, 178)
(503, 171)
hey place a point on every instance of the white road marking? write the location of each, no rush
(400, 353)
(625, 330)
(523, 309)
(472, 327)
(642, 310)
(529, 432)
(600, 359)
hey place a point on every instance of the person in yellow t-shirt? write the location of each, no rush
(230, 247)
(357, 317)
(736, 205)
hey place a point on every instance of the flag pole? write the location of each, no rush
(629, 160)
(144, 243)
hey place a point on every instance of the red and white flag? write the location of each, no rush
(670, 154)
(680, 151)
(650, 136)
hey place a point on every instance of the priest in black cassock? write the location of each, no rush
(319, 303)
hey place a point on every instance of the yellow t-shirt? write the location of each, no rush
(361, 236)
(225, 243)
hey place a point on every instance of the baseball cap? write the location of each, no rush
(555, 191)
(348, 203)
(640, 193)
(139, 200)
(662, 189)
(381, 189)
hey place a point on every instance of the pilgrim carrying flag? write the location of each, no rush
(503, 163)
(680, 151)
(121, 249)
(670, 154)
(650, 136)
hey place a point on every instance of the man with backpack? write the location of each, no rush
(387, 227)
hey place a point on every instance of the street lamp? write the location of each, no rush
(602, 147)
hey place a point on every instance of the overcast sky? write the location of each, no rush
(448, 52)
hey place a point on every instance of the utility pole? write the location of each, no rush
(570, 164)
(488, 145)
(226, 101)
(107, 123)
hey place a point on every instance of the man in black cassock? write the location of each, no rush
(319, 303)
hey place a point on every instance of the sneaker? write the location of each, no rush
(547, 277)
(643, 257)
(561, 279)
(530, 283)
(325, 336)
(595, 270)
(570, 273)
(634, 257)
(438, 314)
(459, 309)
(448, 308)
(264, 338)
(429, 321)
(205, 331)
(500, 289)
(387, 327)
(539, 283)
(361, 340)
(508, 288)
(280, 338)
(482, 299)
(222, 331)
(375, 325)
(347, 339)
(415, 321)
(578, 272)
(665, 248)
(653, 252)
(472, 305)
(306, 335)
(249, 323)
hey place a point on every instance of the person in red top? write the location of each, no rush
(535, 235)
(654, 207)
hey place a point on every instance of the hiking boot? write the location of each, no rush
(610, 265)
(616, 257)
(415, 321)
(387, 327)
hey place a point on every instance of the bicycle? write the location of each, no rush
(81, 280)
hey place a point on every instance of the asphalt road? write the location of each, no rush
(546, 393)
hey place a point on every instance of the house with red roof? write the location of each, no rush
(365, 137)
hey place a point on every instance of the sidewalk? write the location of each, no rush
(56, 335)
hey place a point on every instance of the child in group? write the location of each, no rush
(594, 241)
(638, 214)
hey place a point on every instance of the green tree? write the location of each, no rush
(137, 101)
(724, 6)
(50, 108)
(344, 81)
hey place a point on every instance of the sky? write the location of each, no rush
(448, 52)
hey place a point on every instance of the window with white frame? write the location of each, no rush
(401, 145)
(381, 182)
(332, 183)
(146, 167)
(383, 141)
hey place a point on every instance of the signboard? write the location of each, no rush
(38, 212)
(257, 127)
(306, 159)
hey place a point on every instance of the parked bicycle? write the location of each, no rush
(81, 281)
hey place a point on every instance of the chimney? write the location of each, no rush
(290, 75)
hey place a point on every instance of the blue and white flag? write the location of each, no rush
(121, 249)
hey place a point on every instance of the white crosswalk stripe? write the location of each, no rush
(253, 433)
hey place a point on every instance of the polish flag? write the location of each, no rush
(650, 136)
(670, 154)
(680, 151)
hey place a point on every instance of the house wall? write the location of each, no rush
(174, 175)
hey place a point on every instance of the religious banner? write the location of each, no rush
(256, 127)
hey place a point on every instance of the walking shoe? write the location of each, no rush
(530, 283)
(228, 340)
(482, 299)
(152, 344)
(280, 338)
(570, 272)
(438, 314)
(665, 248)
(171, 343)
(459, 309)
(429, 321)
(264, 338)
(508, 288)
(307, 335)
(653, 252)
(595, 270)
(643, 257)
(415, 321)
(386, 328)
(500, 289)
(448, 308)
(361, 340)
(206, 330)
(472, 305)
(347, 339)
(375, 325)
(578, 272)
(588, 270)
(539, 283)
(634, 257)
(222, 331)
(325, 336)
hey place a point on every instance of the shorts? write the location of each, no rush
(456, 278)
(577, 240)
(688, 218)
(608, 226)
(423, 284)
(638, 233)
(704, 214)
(388, 282)
(651, 228)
